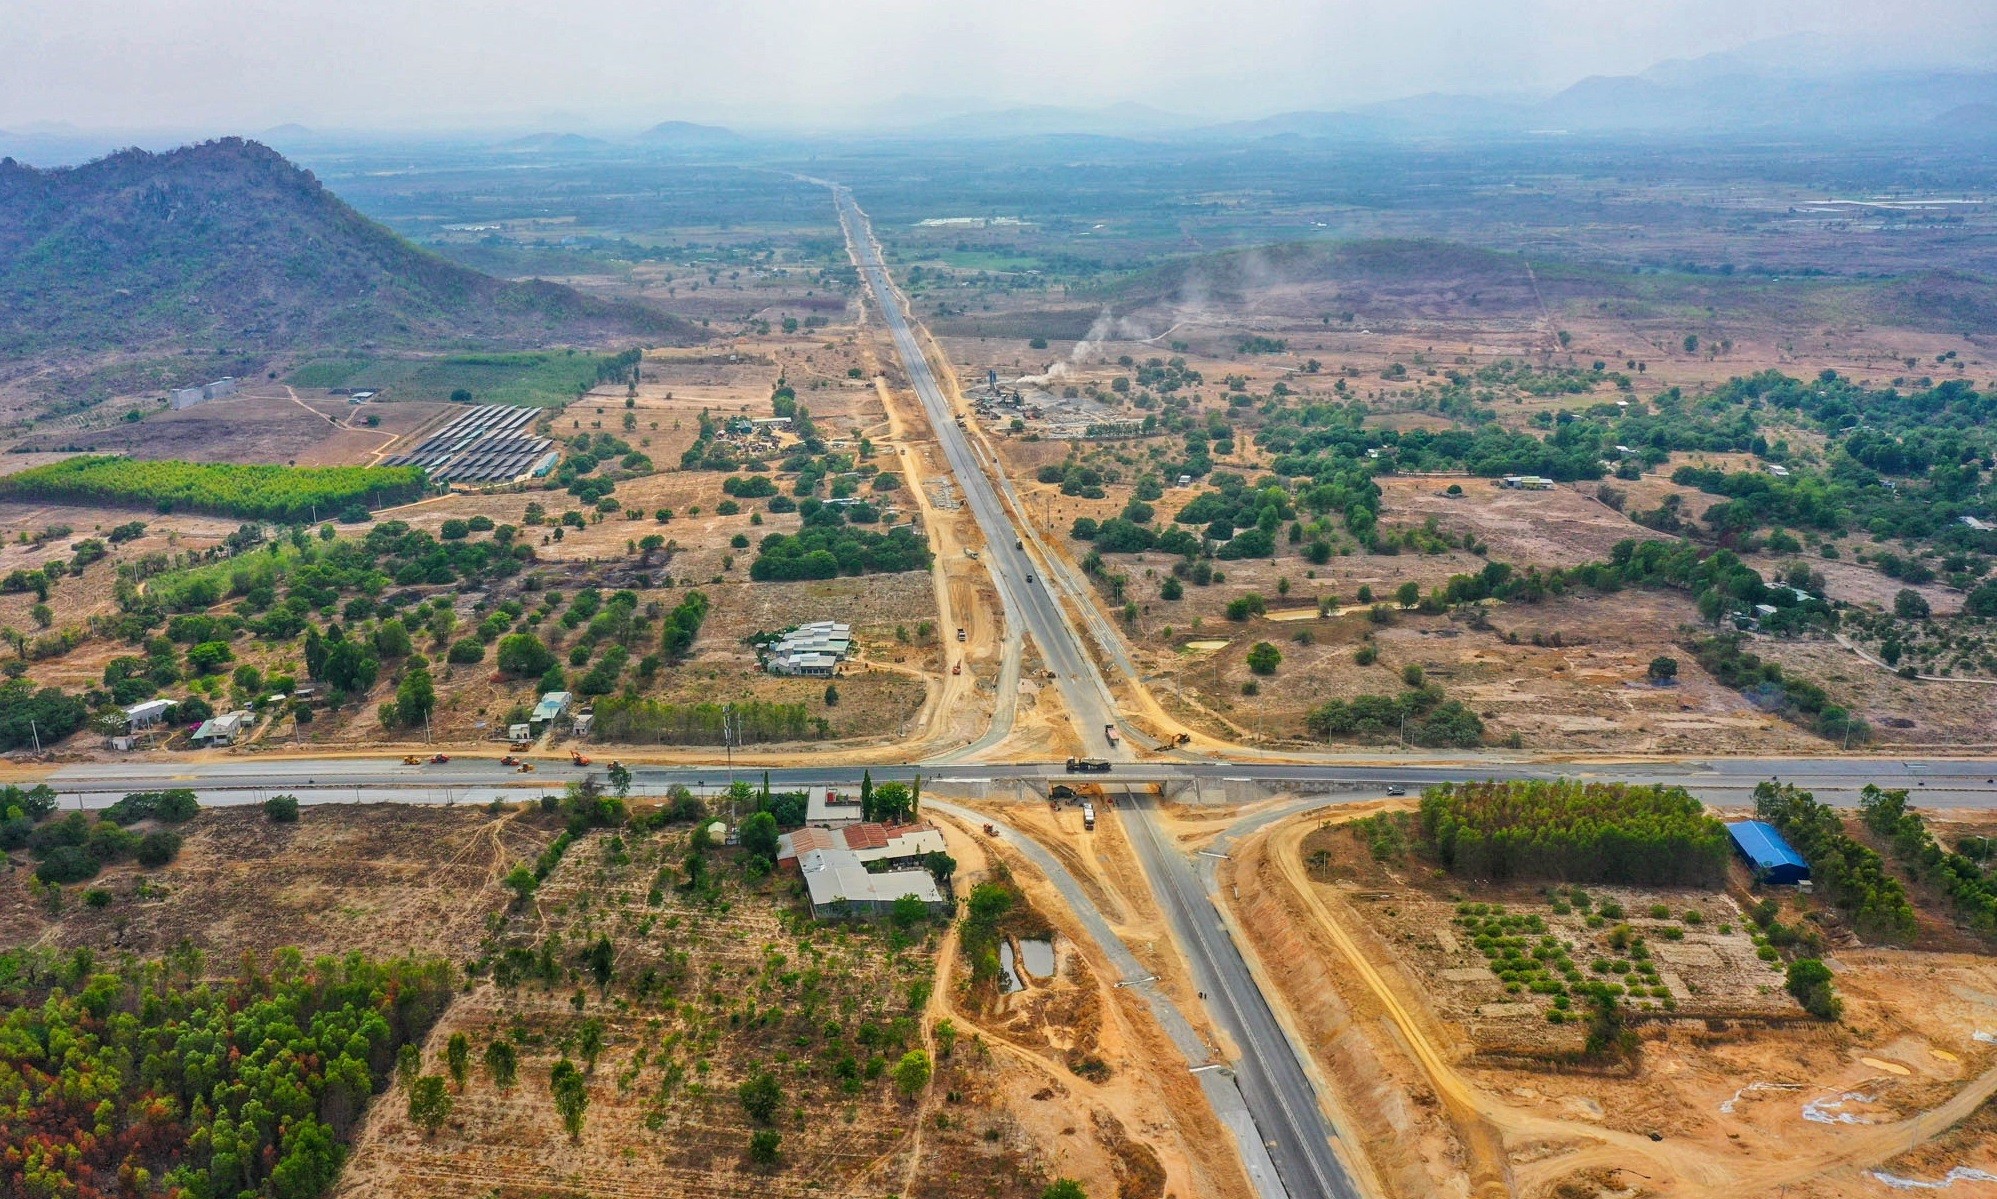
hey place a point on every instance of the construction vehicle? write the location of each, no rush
(509, 760)
(526, 767)
(1183, 739)
(576, 756)
(956, 668)
(1089, 816)
(517, 746)
(991, 830)
(439, 759)
(411, 760)
(960, 634)
(1088, 766)
(1109, 731)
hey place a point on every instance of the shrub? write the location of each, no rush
(172, 807)
(1263, 658)
(465, 651)
(158, 848)
(66, 864)
(281, 809)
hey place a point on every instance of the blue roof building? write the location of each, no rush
(1772, 857)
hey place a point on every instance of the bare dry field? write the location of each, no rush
(1725, 1103)
(387, 879)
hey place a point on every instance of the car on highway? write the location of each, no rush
(1397, 791)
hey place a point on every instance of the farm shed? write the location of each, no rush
(1772, 858)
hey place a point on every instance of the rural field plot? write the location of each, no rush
(722, 1013)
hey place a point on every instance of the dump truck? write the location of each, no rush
(1109, 731)
(1089, 817)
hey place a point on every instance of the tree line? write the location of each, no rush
(1574, 831)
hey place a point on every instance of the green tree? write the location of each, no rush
(764, 1146)
(1408, 594)
(1663, 669)
(589, 1042)
(1263, 658)
(521, 881)
(502, 1062)
(760, 1095)
(1809, 980)
(1064, 1188)
(620, 779)
(391, 640)
(601, 958)
(523, 656)
(571, 1094)
(429, 1103)
(415, 696)
(408, 1064)
(458, 1058)
(911, 1073)
(1909, 604)
(759, 835)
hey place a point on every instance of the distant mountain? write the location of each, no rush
(553, 142)
(228, 244)
(1787, 87)
(686, 134)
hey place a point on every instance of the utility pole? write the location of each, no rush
(36, 733)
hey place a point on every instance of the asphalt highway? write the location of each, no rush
(1723, 782)
(1025, 593)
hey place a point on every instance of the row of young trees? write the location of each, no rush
(1575, 831)
(1973, 893)
(151, 1080)
(636, 718)
(1850, 875)
(259, 492)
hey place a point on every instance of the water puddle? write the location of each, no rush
(1037, 958)
(1959, 1174)
(1009, 982)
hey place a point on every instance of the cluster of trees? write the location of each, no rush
(889, 803)
(1851, 876)
(1420, 713)
(632, 718)
(1766, 683)
(151, 1080)
(827, 552)
(31, 714)
(75, 847)
(259, 492)
(683, 626)
(1575, 831)
(1962, 879)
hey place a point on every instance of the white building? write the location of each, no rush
(553, 706)
(813, 650)
(224, 730)
(147, 714)
(188, 397)
(833, 864)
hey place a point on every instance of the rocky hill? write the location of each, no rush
(228, 244)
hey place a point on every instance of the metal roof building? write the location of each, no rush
(1772, 857)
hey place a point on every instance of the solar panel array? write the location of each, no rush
(487, 444)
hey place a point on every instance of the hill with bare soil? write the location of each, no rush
(227, 244)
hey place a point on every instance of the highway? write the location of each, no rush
(1722, 782)
(1026, 596)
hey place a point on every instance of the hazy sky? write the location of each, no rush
(241, 65)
